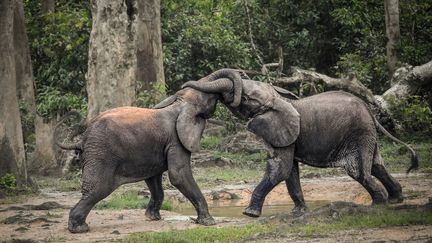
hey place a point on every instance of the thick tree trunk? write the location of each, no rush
(47, 6)
(43, 157)
(43, 160)
(124, 54)
(393, 33)
(12, 155)
(149, 45)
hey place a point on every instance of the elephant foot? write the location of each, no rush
(397, 199)
(153, 215)
(206, 221)
(299, 211)
(379, 201)
(82, 228)
(252, 212)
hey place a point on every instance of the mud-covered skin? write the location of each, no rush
(131, 144)
(331, 129)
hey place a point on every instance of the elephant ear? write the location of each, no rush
(190, 127)
(166, 102)
(280, 126)
(285, 93)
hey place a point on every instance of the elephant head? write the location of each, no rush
(231, 91)
(271, 116)
(196, 106)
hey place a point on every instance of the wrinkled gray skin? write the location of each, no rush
(331, 129)
(129, 144)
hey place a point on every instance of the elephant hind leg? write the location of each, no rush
(157, 195)
(392, 186)
(359, 168)
(95, 187)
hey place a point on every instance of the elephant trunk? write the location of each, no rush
(218, 86)
(236, 79)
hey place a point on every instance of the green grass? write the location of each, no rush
(210, 142)
(67, 184)
(201, 234)
(254, 160)
(129, 200)
(383, 218)
(397, 157)
(214, 176)
(317, 226)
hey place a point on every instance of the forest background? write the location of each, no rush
(267, 39)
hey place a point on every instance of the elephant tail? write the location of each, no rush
(64, 145)
(414, 158)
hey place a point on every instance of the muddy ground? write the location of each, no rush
(44, 217)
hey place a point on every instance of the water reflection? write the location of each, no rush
(232, 208)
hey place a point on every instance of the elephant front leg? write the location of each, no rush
(157, 195)
(295, 191)
(180, 175)
(278, 169)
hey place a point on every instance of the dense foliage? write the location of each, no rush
(59, 51)
(334, 37)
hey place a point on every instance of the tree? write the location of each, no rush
(125, 53)
(12, 154)
(392, 32)
(47, 6)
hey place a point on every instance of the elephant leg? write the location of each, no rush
(278, 169)
(95, 187)
(157, 195)
(295, 190)
(359, 167)
(180, 175)
(392, 186)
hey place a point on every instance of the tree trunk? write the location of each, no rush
(393, 33)
(407, 81)
(12, 155)
(124, 52)
(47, 6)
(44, 159)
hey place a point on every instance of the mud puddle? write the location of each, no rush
(234, 208)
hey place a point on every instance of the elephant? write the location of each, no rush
(130, 144)
(331, 129)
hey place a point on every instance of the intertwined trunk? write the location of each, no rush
(124, 53)
(12, 155)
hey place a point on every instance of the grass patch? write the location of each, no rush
(129, 200)
(71, 183)
(397, 157)
(316, 226)
(214, 176)
(254, 160)
(360, 221)
(210, 142)
(201, 234)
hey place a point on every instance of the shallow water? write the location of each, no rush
(232, 209)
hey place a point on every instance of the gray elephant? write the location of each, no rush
(129, 144)
(331, 129)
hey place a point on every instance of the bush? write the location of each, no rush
(413, 114)
(8, 182)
